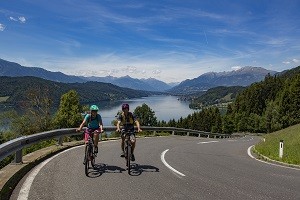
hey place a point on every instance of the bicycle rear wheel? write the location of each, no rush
(128, 158)
(86, 160)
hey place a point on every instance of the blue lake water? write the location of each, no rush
(165, 108)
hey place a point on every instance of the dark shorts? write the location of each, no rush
(124, 131)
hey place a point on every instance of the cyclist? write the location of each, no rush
(127, 119)
(94, 124)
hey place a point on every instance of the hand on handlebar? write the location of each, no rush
(78, 130)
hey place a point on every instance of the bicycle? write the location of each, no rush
(129, 138)
(89, 155)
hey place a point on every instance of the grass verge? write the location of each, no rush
(291, 145)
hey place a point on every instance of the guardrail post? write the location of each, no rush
(18, 157)
(207, 136)
(173, 132)
(60, 141)
(199, 135)
(188, 134)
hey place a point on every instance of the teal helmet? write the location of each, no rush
(94, 107)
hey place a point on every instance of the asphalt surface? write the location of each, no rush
(212, 169)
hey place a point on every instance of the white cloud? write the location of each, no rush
(156, 71)
(236, 68)
(2, 27)
(295, 60)
(22, 19)
(291, 61)
(13, 19)
(130, 69)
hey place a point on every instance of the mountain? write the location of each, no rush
(242, 77)
(150, 84)
(16, 70)
(16, 90)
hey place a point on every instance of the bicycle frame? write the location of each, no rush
(128, 147)
(89, 153)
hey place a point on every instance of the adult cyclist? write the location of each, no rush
(127, 120)
(94, 124)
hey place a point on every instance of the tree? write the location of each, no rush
(146, 115)
(68, 114)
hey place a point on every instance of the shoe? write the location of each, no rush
(122, 154)
(96, 149)
(132, 157)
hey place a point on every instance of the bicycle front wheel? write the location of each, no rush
(86, 161)
(128, 158)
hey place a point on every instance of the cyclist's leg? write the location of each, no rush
(122, 144)
(96, 137)
(133, 143)
(96, 140)
(86, 135)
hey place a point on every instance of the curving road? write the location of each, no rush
(175, 167)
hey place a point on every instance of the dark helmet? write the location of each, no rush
(125, 106)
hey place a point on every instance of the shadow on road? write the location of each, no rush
(101, 168)
(137, 169)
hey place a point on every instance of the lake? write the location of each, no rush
(165, 108)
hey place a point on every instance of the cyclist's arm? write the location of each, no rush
(118, 125)
(101, 124)
(138, 125)
(81, 125)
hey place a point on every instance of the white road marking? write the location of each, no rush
(249, 153)
(162, 157)
(231, 140)
(207, 142)
(24, 192)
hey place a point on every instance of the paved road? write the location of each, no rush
(205, 169)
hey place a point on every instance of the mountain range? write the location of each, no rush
(16, 70)
(242, 77)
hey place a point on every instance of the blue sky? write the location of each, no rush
(170, 40)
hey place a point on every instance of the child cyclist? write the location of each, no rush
(94, 124)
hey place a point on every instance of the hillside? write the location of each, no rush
(216, 95)
(15, 90)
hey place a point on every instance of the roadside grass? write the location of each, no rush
(291, 145)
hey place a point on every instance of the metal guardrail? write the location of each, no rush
(16, 145)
